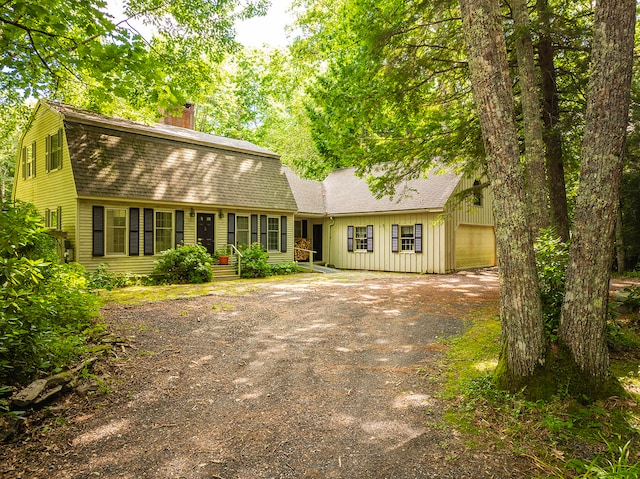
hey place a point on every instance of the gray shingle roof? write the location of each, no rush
(112, 160)
(342, 192)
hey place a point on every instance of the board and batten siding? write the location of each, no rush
(466, 215)
(47, 190)
(431, 260)
(144, 264)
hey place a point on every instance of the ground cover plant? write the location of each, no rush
(563, 437)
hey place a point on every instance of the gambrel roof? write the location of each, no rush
(343, 193)
(118, 158)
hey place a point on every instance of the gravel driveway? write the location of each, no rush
(311, 376)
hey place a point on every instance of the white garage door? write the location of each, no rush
(475, 246)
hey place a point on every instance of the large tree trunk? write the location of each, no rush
(550, 116)
(532, 125)
(584, 312)
(523, 338)
(620, 256)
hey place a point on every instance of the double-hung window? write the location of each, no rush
(242, 230)
(407, 238)
(273, 233)
(29, 161)
(361, 238)
(164, 231)
(116, 231)
(54, 151)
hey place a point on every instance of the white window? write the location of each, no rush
(242, 230)
(361, 238)
(297, 229)
(116, 231)
(54, 151)
(164, 231)
(407, 238)
(273, 233)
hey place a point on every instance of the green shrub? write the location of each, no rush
(551, 260)
(185, 264)
(45, 307)
(103, 278)
(255, 262)
(285, 268)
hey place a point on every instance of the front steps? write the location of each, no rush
(224, 272)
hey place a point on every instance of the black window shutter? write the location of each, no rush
(59, 215)
(349, 238)
(48, 153)
(370, 238)
(418, 233)
(254, 229)
(148, 231)
(179, 227)
(134, 231)
(231, 228)
(98, 231)
(394, 238)
(263, 232)
(60, 148)
(33, 159)
(283, 234)
(304, 228)
(24, 163)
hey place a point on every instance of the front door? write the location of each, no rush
(205, 231)
(317, 242)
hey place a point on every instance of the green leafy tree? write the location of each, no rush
(259, 96)
(45, 308)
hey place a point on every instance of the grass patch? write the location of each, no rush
(561, 437)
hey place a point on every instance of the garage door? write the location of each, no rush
(475, 246)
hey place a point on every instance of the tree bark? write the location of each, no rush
(552, 137)
(584, 313)
(620, 256)
(532, 125)
(523, 339)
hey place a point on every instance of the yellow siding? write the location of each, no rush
(431, 260)
(143, 264)
(48, 190)
(462, 217)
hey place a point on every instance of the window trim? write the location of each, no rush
(158, 250)
(247, 230)
(108, 227)
(412, 239)
(51, 153)
(273, 220)
(359, 241)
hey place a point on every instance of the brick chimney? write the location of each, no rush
(186, 120)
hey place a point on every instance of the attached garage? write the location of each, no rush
(475, 246)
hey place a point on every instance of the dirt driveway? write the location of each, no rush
(313, 376)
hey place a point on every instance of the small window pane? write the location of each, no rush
(164, 231)
(407, 238)
(242, 230)
(273, 233)
(116, 231)
(361, 238)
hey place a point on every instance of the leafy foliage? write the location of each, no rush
(255, 262)
(104, 278)
(184, 264)
(45, 308)
(551, 262)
